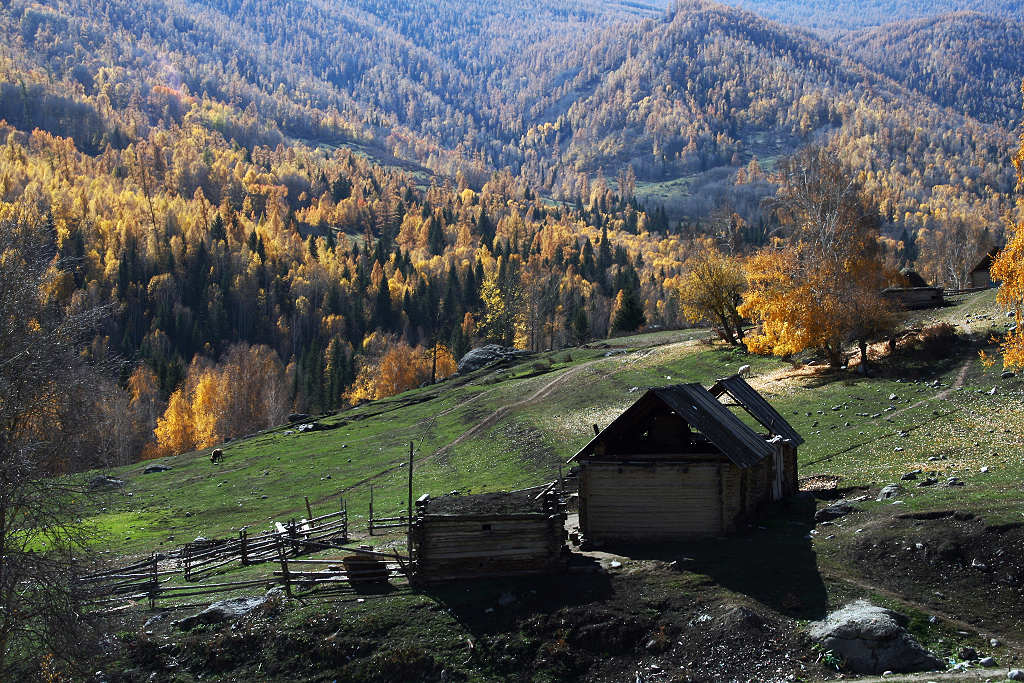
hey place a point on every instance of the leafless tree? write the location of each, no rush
(46, 389)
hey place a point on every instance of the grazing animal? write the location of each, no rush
(216, 456)
(744, 371)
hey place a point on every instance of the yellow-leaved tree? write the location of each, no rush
(1008, 269)
(400, 368)
(819, 288)
(711, 292)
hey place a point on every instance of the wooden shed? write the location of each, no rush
(981, 276)
(679, 464)
(914, 298)
(494, 534)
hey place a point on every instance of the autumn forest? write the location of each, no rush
(258, 208)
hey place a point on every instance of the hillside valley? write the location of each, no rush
(513, 425)
(246, 247)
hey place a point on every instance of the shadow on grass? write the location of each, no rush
(772, 561)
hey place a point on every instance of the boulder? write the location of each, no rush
(485, 355)
(105, 481)
(231, 609)
(834, 511)
(873, 640)
(153, 469)
(1015, 675)
(890, 491)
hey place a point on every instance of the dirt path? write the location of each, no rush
(504, 410)
(960, 624)
(942, 395)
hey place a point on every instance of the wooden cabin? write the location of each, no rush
(981, 276)
(918, 294)
(914, 298)
(679, 465)
(486, 535)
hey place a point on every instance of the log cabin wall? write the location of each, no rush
(657, 500)
(471, 545)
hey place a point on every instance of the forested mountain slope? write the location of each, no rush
(966, 61)
(838, 17)
(202, 171)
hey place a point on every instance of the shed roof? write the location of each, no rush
(755, 404)
(986, 261)
(692, 402)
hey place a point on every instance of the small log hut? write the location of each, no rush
(981, 275)
(485, 535)
(679, 465)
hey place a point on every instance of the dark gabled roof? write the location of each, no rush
(986, 261)
(692, 402)
(755, 404)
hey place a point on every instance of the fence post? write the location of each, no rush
(344, 521)
(309, 514)
(154, 586)
(371, 510)
(187, 551)
(408, 520)
(243, 541)
(284, 567)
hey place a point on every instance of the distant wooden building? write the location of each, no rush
(981, 275)
(679, 464)
(917, 294)
(914, 298)
(493, 534)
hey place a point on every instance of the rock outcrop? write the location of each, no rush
(873, 640)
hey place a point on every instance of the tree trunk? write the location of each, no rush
(863, 345)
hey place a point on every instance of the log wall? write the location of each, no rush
(652, 501)
(466, 546)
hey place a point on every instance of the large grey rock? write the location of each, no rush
(105, 481)
(153, 469)
(485, 355)
(834, 511)
(890, 491)
(872, 640)
(1016, 675)
(224, 610)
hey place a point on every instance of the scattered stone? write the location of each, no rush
(953, 481)
(898, 449)
(994, 643)
(893, 397)
(984, 470)
(993, 391)
(988, 662)
(231, 609)
(890, 491)
(909, 476)
(872, 640)
(1008, 374)
(154, 620)
(1015, 675)
(930, 481)
(968, 653)
(834, 511)
(153, 469)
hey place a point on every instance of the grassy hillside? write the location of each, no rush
(512, 427)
